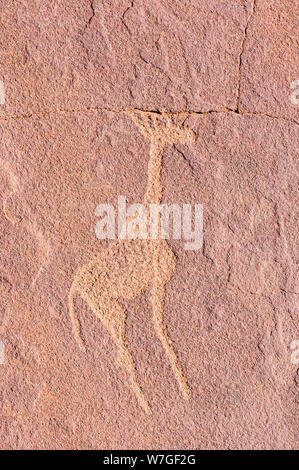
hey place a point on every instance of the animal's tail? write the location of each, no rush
(74, 317)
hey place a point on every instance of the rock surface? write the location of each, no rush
(75, 74)
(270, 61)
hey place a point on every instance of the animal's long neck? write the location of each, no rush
(154, 190)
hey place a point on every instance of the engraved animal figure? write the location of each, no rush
(129, 267)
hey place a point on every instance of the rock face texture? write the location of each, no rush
(86, 85)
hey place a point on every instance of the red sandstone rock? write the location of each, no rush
(175, 55)
(231, 308)
(270, 61)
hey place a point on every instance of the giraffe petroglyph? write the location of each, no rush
(126, 268)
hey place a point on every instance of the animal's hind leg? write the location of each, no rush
(113, 315)
(74, 317)
(157, 300)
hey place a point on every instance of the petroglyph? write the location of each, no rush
(14, 188)
(30, 225)
(129, 267)
(45, 249)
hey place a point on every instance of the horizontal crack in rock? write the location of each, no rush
(148, 111)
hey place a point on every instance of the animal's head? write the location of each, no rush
(160, 127)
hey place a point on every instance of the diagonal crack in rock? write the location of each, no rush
(253, 5)
(141, 110)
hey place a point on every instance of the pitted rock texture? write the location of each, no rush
(75, 74)
(270, 61)
(118, 54)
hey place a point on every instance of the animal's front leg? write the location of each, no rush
(157, 301)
